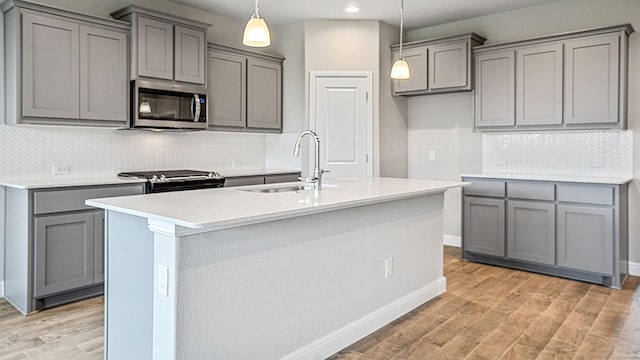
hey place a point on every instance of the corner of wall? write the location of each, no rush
(1, 288)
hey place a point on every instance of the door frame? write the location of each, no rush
(368, 75)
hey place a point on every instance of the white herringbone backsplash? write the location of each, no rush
(29, 151)
(588, 153)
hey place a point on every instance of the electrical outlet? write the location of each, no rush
(501, 165)
(432, 155)
(60, 169)
(388, 267)
(163, 280)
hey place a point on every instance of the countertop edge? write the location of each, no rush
(613, 180)
(277, 215)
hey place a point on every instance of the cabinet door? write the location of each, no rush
(227, 84)
(417, 61)
(264, 94)
(448, 66)
(98, 247)
(63, 252)
(592, 80)
(50, 76)
(495, 89)
(539, 85)
(531, 234)
(585, 238)
(103, 74)
(155, 48)
(190, 56)
(484, 226)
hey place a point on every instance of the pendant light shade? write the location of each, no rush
(400, 68)
(256, 33)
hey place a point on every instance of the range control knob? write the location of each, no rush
(154, 178)
(163, 178)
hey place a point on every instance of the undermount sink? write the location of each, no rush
(281, 189)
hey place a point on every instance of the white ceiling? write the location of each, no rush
(418, 13)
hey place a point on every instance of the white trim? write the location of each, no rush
(356, 330)
(634, 268)
(1, 289)
(313, 76)
(452, 240)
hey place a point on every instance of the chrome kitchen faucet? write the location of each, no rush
(317, 172)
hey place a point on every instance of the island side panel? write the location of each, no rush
(304, 287)
(128, 287)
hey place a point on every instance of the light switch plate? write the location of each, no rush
(163, 280)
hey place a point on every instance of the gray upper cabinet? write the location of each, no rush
(448, 64)
(494, 95)
(155, 48)
(103, 74)
(166, 47)
(264, 94)
(539, 85)
(190, 55)
(50, 67)
(417, 61)
(437, 65)
(245, 90)
(569, 81)
(64, 68)
(592, 80)
(227, 89)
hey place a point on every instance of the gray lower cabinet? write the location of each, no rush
(260, 179)
(64, 252)
(484, 226)
(573, 230)
(585, 238)
(64, 68)
(245, 90)
(531, 231)
(55, 244)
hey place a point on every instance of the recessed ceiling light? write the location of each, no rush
(352, 9)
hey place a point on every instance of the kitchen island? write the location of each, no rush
(258, 273)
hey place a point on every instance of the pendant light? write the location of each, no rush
(400, 68)
(256, 33)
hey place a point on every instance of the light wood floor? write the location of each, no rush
(487, 313)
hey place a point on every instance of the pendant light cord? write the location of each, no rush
(257, 10)
(401, 25)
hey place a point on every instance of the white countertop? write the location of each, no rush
(558, 178)
(65, 181)
(54, 181)
(230, 207)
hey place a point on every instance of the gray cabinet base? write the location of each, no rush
(610, 281)
(68, 297)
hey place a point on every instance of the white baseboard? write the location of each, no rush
(634, 268)
(356, 330)
(452, 240)
(1, 289)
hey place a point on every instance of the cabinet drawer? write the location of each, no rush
(241, 181)
(273, 179)
(586, 194)
(485, 188)
(531, 190)
(51, 201)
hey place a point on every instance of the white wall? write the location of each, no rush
(431, 120)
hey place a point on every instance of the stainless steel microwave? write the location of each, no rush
(159, 105)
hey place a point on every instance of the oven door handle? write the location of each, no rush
(196, 107)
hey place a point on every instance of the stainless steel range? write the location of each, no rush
(176, 180)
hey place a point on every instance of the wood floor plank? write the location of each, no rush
(487, 313)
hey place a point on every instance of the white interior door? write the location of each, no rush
(341, 115)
